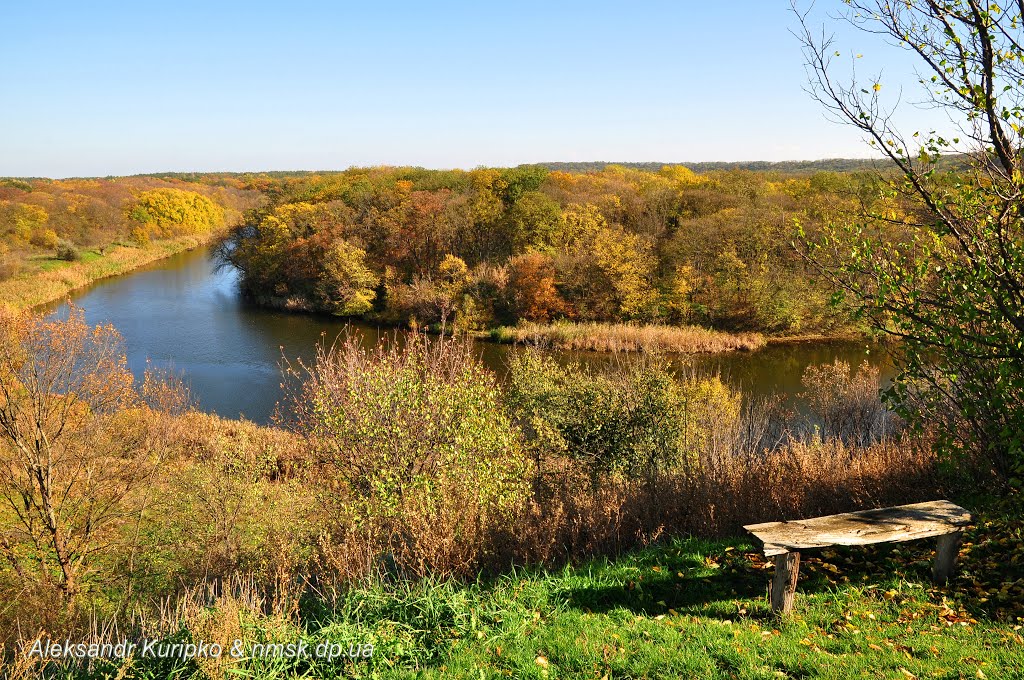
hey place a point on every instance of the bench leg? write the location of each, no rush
(783, 590)
(946, 551)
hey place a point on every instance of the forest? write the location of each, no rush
(545, 250)
(475, 250)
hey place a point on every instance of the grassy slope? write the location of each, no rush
(687, 608)
(49, 279)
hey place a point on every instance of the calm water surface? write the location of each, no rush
(184, 314)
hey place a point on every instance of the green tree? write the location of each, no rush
(521, 180)
(534, 219)
(953, 288)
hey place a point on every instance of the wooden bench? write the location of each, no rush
(783, 541)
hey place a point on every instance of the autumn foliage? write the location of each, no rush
(43, 219)
(170, 212)
(615, 245)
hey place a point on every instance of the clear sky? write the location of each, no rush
(102, 88)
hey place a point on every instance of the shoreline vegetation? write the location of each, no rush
(603, 337)
(56, 278)
(618, 337)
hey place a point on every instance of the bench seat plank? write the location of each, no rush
(900, 523)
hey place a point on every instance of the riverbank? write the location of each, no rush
(567, 525)
(591, 336)
(51, 279)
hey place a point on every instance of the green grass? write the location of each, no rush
(44, 263)
(48, 263)
(685, 608)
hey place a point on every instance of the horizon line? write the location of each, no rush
(859, 159)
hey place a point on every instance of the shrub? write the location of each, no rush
(453, 297)
(637, 420)
(9, 264)
(427, 458)
(230, 502)
(419, 302)
(66, 250)
(140, 236)
(847, 405)
(44, 238)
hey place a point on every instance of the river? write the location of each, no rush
(184, 314)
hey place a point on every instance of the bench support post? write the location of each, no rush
(783, 590)
(946, 551)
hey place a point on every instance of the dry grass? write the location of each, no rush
(617, 337)
(219, 611)
(210, 439)
(570, 520)
(846, 404)
(39, 287)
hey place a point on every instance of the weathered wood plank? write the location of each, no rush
(899, 523)
(787, 570)
(946, 551)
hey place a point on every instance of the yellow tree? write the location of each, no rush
(68, 462)
(608, 271)
(171, 212)
(346, 285)
(626, 262)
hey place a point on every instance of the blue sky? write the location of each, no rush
(100, 88)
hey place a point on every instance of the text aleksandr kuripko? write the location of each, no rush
(157, 649)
